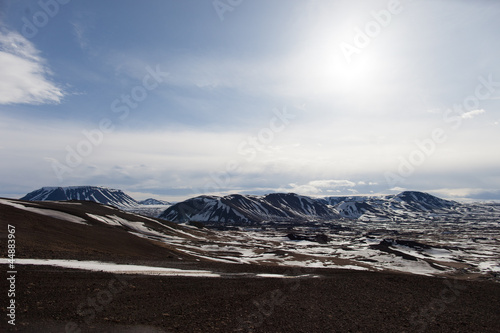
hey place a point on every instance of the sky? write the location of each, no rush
(173, 99)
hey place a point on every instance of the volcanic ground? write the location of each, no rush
(85, 267)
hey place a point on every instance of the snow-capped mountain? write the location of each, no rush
(154, 202)
(238, 209)
(423, 201)
(408, 204)
(98, 194)
(247, 209)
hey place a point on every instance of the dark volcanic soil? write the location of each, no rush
(59, 300)
(50, 299)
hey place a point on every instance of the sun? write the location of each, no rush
(327, 71)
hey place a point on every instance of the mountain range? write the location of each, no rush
(237, 209)
(290, 207)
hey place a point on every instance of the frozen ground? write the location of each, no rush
(445, 246)
(464, 244)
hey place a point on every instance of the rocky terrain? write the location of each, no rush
(84, 266)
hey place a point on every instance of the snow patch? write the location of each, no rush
(46, 212)
(98, 266)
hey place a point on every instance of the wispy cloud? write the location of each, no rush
(397, 189)
(83, 24)
(79, 32)
(333, 183)
(25, 77)
(472, 114)
(322, 187)
(467, 194)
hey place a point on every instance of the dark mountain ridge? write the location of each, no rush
(103, 195)
(249, 209)
(236, 209)
(154, 202)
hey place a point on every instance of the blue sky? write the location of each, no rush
(174, 99)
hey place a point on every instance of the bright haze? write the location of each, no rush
(174, 99)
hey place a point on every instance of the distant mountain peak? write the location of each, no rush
(99, 194)
(154, 202)
(424, 200)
